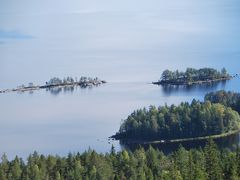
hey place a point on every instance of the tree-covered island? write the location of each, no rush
(83, 82)
(185, 121)
(192, 76)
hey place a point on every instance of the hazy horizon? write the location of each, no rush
(126, 43)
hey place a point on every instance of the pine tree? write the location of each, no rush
(4, 167)
(78, 170)
(190, 167)
(229, 165)
(181, 159)
(213, 167)
(174, 172)
(16, 170)
(238, 160)
(36, 173)
(58, 176)
(93, 173)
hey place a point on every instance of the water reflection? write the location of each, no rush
(167, 90)
(66, 89)
(230, 142)
(132, 43)
(171, 89)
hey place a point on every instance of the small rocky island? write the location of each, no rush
(193, 76)
(55, 82)
(183, 123)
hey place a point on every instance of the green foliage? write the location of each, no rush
(176, 122)
(151, 164)
(212, 158)
(229, 99)
(70, 80)
(192, 75)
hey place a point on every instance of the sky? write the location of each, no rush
(115, 40)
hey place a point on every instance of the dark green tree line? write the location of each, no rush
(176, 122)
(192, 75)
(208, 163)
(229, 99)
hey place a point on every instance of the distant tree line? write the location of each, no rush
(177, 122)
(193, 75)
(70, 80)
(208, 163)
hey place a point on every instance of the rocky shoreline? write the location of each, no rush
(83, 84)
(192, 82)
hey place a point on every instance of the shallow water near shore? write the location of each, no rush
(128, 44)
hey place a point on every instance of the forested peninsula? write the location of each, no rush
(55, 82)
(193, 76)
(186, 121)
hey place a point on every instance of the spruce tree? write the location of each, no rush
(212, 158)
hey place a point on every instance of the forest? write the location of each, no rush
(192, 75)
(207, 163)
(229, 99)
(187, 120)
(213, 116)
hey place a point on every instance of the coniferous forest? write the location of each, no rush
(197, 119)
(119, 90)
(208, 163)
(230, 99)
(192, 76)
(214, 116)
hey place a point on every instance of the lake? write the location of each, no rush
(128, 44)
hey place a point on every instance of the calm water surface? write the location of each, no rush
(126, 43)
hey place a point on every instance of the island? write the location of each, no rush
(55, 82)
(193, 76)
(185, 122)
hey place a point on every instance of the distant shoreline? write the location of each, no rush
(191, 83)
(172, 141)
(83, 84)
